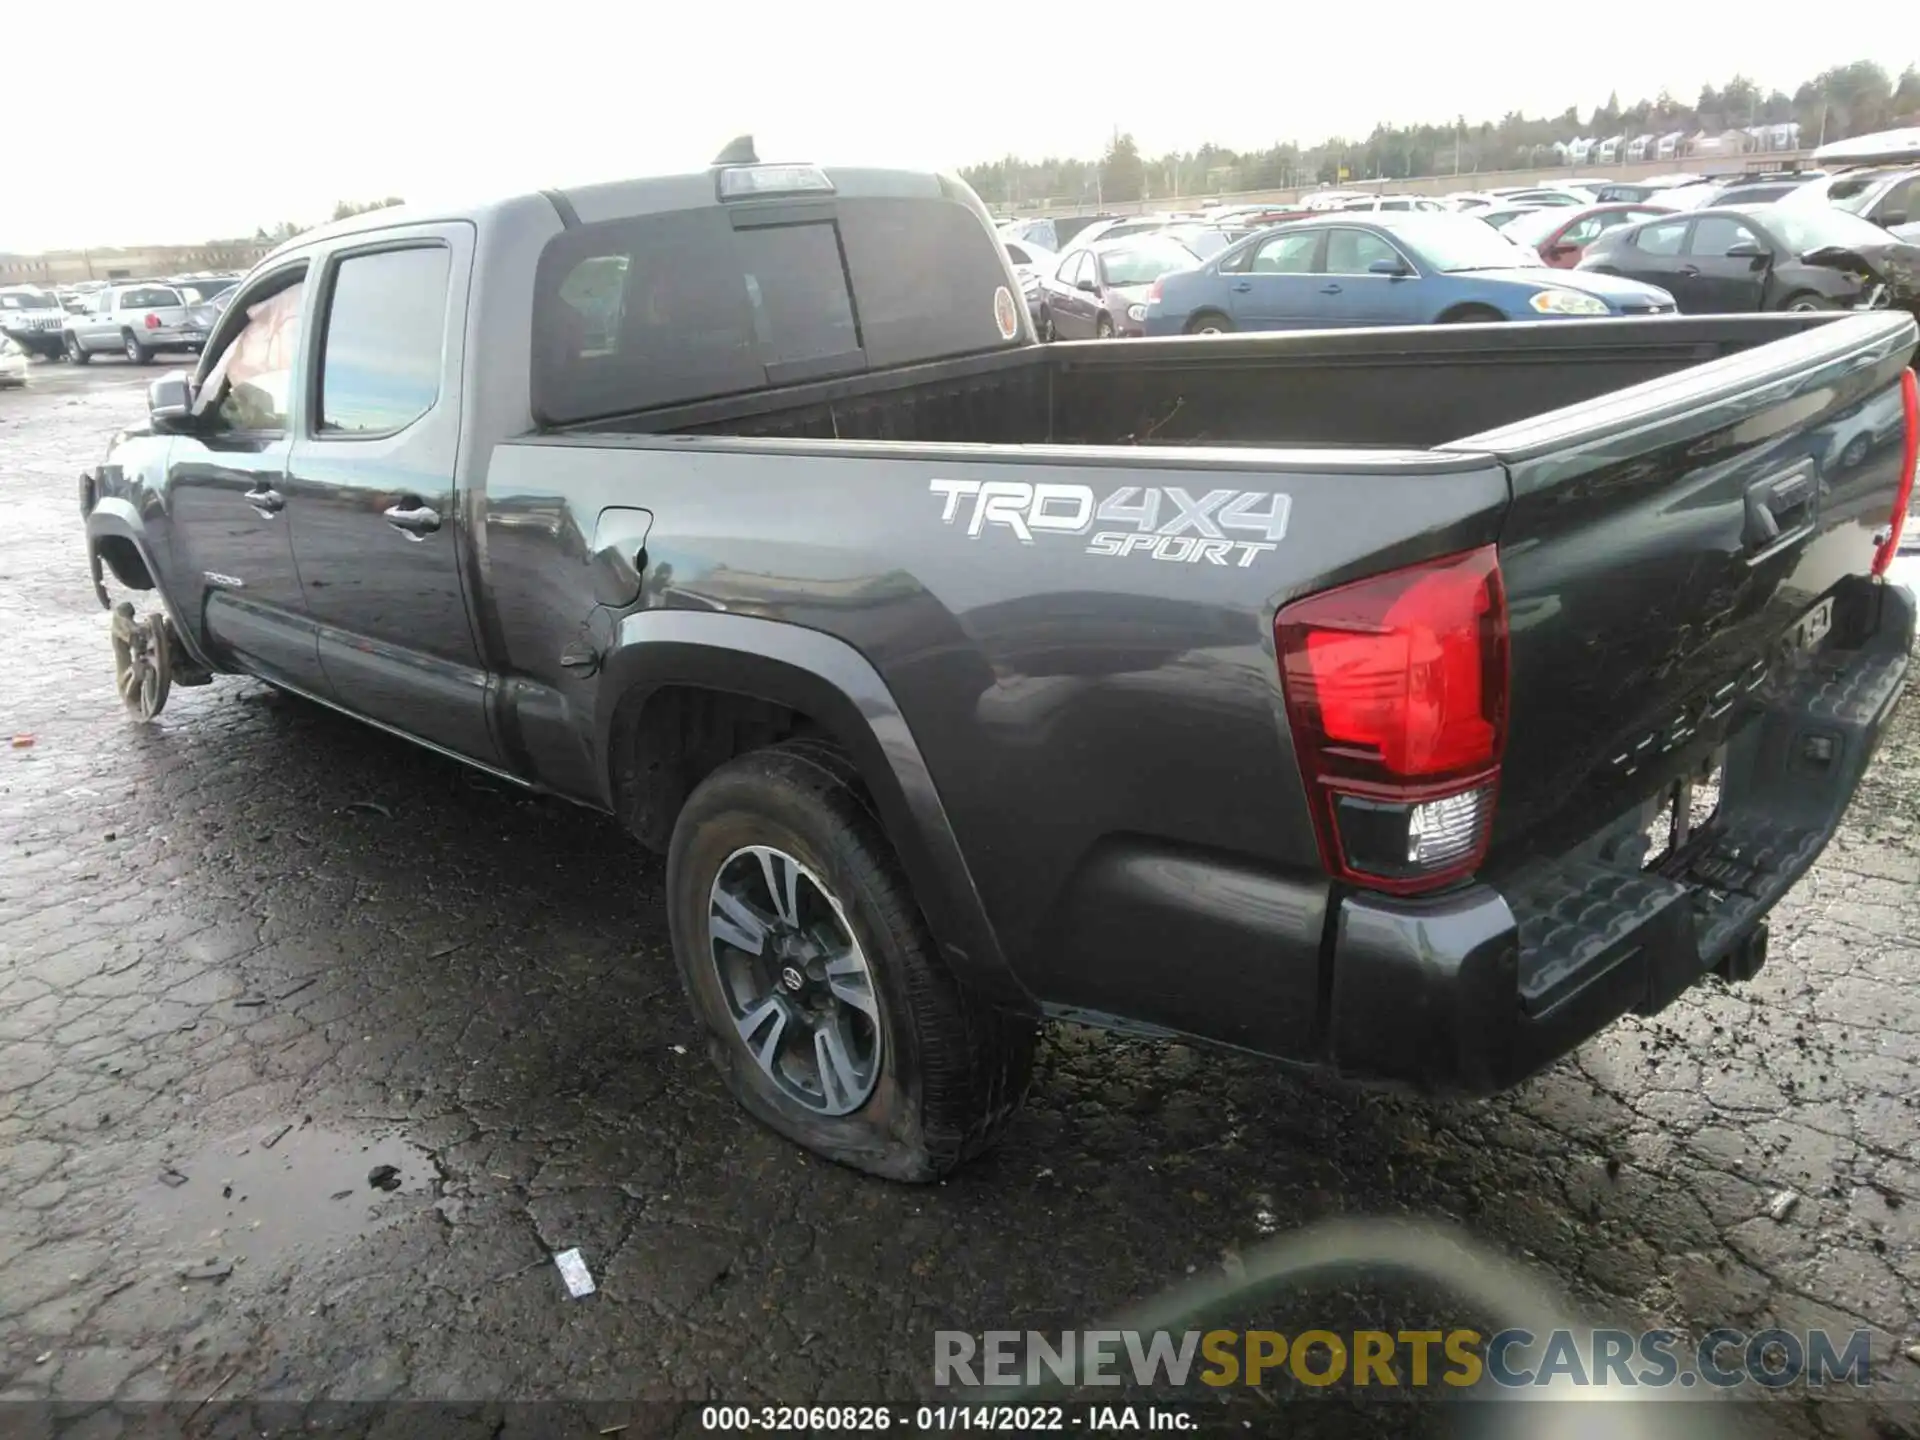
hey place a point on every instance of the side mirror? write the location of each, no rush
(170, 401)
(1396, 268)
(1086, 285)
(1748, 250)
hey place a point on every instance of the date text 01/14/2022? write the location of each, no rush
(1011, 1419)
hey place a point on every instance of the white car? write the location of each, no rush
(13, 364)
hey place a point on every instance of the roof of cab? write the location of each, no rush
(618, 199)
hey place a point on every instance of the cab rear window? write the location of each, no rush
(684, 305)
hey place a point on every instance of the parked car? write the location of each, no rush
(1031, 264)
(1764, 257)
(1888, 195)
(13, 363)
(1394, 203)
(1467, 201)
(1099, 291)
(1381, 270)
(196, 289)
(32, 316)
(1644, 189)
(1051, 232)
(202, 314)
(1419, 803)
(139, 320)
(1207, 240)
(1560, 236)
(1541, 195)
(1502, 215)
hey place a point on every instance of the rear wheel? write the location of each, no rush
(1209, 322)
(77, 353)
(136, 352)
(1103, 328)
(828, 1011)
(1472, 315)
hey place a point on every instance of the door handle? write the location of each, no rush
(1689, 269)
(416, 522)
(1241, 287)
(266, 501)
(1329, 289)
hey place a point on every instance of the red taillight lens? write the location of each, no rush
(153, 322)
(1909, 459)
(1396, 691)
(1154, 292)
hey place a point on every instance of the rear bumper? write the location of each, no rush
(1476, 990)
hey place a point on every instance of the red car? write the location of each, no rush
(1562, 235)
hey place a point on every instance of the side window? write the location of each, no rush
(1582, 231)
(1902, 199)
(1351, 252)
(1662, 239)
(1069, 265)
(1714, 235)
(380, 358)
(1288, 254)
(252, 381)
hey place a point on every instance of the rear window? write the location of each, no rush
(661, 309)
(147, 299)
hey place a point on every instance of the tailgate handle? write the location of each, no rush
(1780, 506)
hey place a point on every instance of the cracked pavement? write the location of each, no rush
(254, 951)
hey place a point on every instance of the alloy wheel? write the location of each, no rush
(795, 980)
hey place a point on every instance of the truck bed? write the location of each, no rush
(1409, 388)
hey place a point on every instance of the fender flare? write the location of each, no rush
(114, 517)
(830, 681)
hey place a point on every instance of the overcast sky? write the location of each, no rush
(282, 109)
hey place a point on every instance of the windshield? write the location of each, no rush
(1458, 242)
(1809, 230)
(1205, 241)
(28, 300)
(1146, 261)
(1533, 226)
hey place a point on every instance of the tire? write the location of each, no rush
(1210, 322)
(136, 352)
(1806, 301)
(78, 354)
(945, 1072)
(1103, 328)
(1472, 315)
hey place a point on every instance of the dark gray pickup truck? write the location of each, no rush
(1411, 703)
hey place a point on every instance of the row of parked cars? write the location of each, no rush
(1788, 241)
(139, 319)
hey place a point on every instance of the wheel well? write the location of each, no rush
(1201, 316)
(1470, 308)
(123, 559)
(666, 741)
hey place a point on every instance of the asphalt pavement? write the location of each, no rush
(255, 953)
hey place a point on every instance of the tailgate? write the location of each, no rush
(1669, 554)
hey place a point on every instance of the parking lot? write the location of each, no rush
(256, 951)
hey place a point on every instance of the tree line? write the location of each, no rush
(1847, 100)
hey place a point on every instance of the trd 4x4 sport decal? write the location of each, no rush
(1160, 522)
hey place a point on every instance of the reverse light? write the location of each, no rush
(152, 322)
(1568, 302)
(1909, 460)
(1396, 693)
(737, 182)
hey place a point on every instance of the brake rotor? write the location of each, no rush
(142, 664)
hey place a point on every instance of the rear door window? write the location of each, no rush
(385, 328)
(660, 309)
(1661, 239)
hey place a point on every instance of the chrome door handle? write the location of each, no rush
(267, 502)
(415, 522)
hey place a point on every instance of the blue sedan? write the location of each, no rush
(1383, 269)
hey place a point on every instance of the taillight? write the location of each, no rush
(1396, 691)
(1154, 292)
(1909, 459)
(153, 322)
